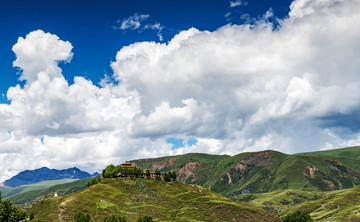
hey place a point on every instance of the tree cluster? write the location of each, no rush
(9, 212)
(157, 174)
(119, 171)
(94, 180)
(298, 216)
(171, 175)
(82, 217)
(116, 171)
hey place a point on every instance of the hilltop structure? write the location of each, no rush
(127, 165)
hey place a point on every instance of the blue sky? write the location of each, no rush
(88, 26)
(102, 82)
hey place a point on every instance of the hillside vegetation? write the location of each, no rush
(343, 205)
(265, 171)
(163, 201)
(281, 200)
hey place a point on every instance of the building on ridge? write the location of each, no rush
(127, 165)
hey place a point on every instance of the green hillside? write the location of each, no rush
(27, 199)
(341, 205)
(349, 156)
(13, 191)
(264, 171)
(279, 201)
(134, 197)
(348, 152)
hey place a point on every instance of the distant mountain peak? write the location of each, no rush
(44, 173)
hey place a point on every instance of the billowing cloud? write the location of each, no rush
(239, 88)
(76, 122)
(253, 83)
(40, 52)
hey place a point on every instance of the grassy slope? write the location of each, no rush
(349, 156)
(26, 199)
(164, 201)
(10, 192)
(340, 205)
(280, 200)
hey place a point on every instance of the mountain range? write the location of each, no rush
(265, 171)
(33, 176)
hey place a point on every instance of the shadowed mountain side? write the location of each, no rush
(44, 173)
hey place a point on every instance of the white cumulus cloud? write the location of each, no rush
(40, 52)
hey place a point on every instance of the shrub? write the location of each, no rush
(145, 218)
(82, 217)
(31, 216)
(94, 180)
(167, 176)
(147, 173)
(114, 218)
(298, 216)
(158, 174)
(173, 175)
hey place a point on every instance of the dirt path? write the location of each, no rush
(228, 174)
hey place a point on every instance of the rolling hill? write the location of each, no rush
(33, 195)
(264, 171)
(13, 191)
(133, 197)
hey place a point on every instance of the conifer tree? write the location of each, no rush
(147, 173)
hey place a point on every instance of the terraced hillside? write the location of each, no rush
(133, 197)
(264, 171)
